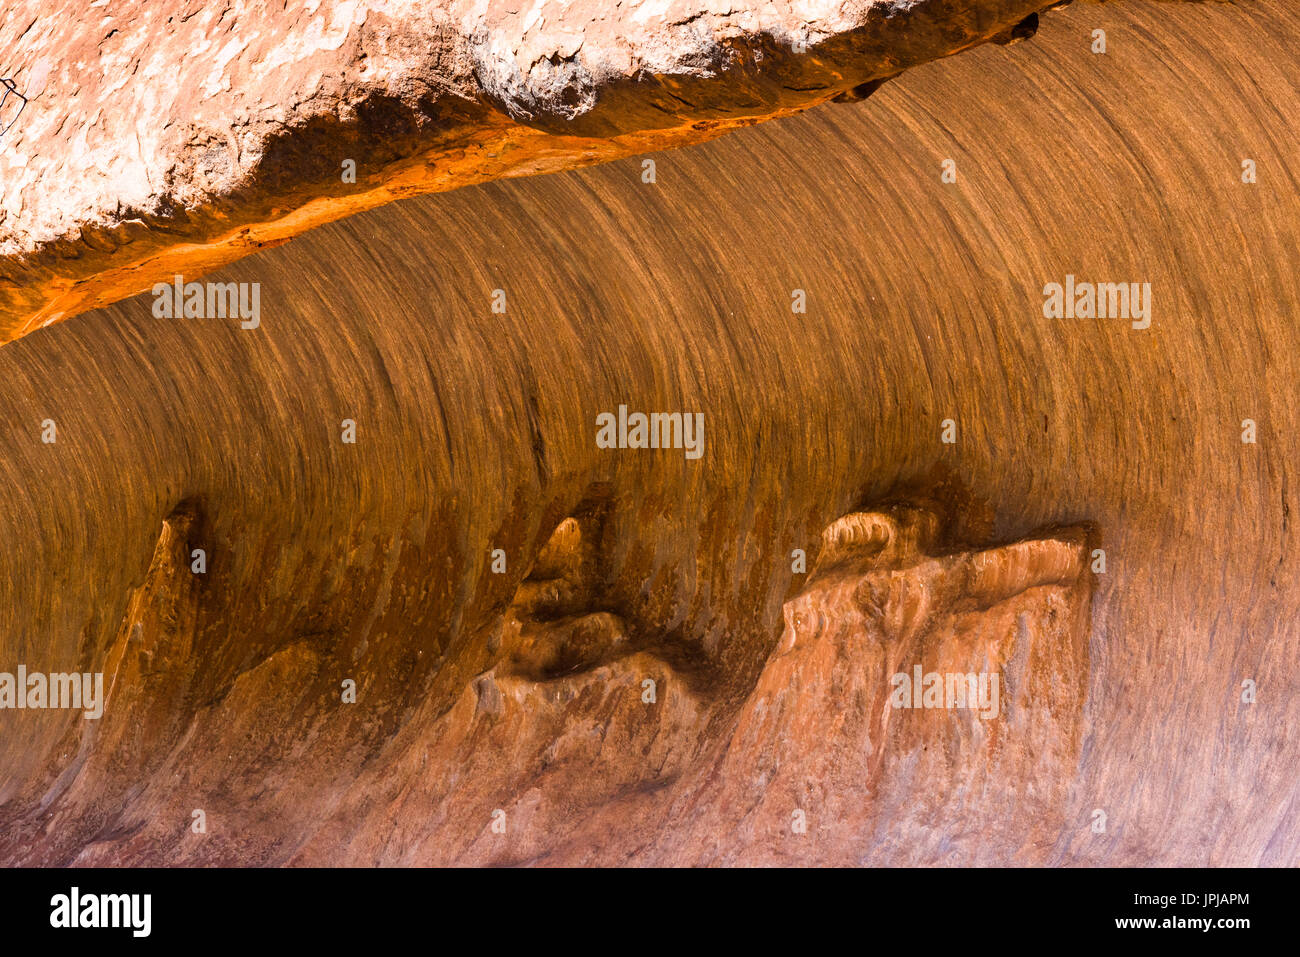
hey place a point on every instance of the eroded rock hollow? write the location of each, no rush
(941, 576)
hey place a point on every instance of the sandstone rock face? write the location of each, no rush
(165, 138)
(897, 687)
(539, 743)
(476, 636)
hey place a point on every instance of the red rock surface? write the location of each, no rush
(523, 691)
(176, 137)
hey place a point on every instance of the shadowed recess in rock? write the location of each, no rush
(475, 432)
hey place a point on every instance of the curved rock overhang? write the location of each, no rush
(523, 691)
(173, 138)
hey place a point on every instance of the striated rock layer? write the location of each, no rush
(502, 715)
(163, 138)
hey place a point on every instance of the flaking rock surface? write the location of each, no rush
(161, 138)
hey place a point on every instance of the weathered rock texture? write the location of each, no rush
(165, 138)
(523, 691)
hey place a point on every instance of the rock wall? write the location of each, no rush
(164, 138)
(500, 588)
